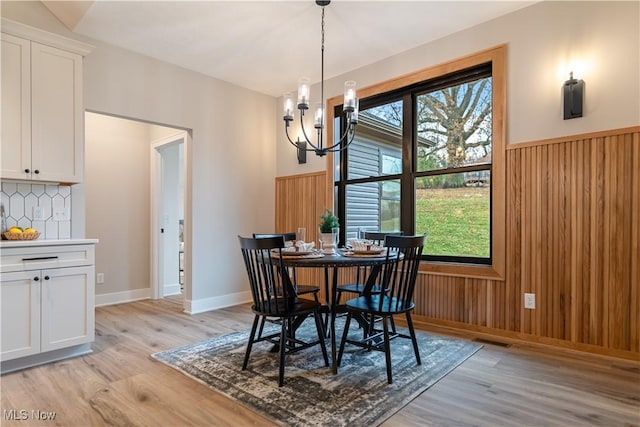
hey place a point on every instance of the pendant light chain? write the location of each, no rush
(322, 70)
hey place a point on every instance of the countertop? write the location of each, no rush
(45, 242)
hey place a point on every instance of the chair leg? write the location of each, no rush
(344, 338)
(264, 320)
(250, 343)
(283, 345)
(387, 348)
(320, 330)
(413, 338)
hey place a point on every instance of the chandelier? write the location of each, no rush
(349, 107)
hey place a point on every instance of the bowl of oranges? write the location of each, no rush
(18, 233)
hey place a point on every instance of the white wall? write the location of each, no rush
(118, 209)
(117, 199)
(231, 160)
(231, 163)
(542, 41)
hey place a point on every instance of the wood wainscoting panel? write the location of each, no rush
(572, 238)
(573, 233)
(300, 200)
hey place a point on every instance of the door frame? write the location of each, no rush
(157, 250)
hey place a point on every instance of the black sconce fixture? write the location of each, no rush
(573, 97)
(302, 152)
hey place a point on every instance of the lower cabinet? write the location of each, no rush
(45, 311)
(20, 311)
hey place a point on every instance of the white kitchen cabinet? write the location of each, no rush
(20, 304)
(42, 113)
(16, 107)
(47, 297)
(67, 307)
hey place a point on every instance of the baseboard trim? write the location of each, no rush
(522, 340)
(122, 297)
(190, 306)
(214, 303)
(172, 289)
(42, 358)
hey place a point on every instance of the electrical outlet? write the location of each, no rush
(61, 214)
(38, 213)
(530, 301)
(99, 277)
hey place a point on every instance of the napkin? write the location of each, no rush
(299, 246)
(365, 245)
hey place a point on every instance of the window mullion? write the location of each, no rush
(407, 195)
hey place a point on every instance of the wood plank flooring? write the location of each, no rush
(120, 385)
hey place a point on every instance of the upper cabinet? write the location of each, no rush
(42, 113)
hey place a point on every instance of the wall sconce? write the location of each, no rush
(302, 152)
(573, 97)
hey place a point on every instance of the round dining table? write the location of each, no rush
(331, 263)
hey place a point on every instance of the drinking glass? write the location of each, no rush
(335, 236)
(301, 234)
(361, 231)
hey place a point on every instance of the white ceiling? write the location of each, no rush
(267, 45)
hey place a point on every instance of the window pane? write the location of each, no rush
(456, 219)
(377, 147)
(373, 206)
(454, 126)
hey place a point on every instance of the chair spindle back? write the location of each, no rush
(399, 273)
(272, 291)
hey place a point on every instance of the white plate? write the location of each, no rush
(298, 253)
(364, 254)
(369, 252)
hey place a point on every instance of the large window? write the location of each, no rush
(422, 161)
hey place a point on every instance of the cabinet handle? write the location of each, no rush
(47, 277)
(27, 170)
(36, 279)
(40, 258)
(36, 171)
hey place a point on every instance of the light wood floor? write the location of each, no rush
(120, 385)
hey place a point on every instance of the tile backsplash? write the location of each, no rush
(20, 199)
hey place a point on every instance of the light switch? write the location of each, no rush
(38, 213)
(61, 214)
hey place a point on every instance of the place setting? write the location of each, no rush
(299, 248)
(364, 249)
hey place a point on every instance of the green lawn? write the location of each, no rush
(455, 220)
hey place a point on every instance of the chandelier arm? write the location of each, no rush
(304, 133)
(292, 142)
(343, 138)
(286, 131)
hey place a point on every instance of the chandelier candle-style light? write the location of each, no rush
(350, 108)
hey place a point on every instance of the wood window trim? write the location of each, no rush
(497, 56)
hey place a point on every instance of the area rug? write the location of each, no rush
(312, 396)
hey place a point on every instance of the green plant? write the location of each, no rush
(329, 221)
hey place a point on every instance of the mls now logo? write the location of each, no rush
(23, 414)
(15, 414)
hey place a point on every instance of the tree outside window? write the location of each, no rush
(443, 187)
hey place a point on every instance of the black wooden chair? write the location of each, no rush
(274, 298)
(300, 289)
(398, 278)
(377, 238)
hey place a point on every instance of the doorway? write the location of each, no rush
(168, 209)
(123, 198)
